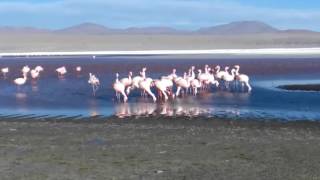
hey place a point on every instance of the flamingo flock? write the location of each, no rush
(166, 87)
(189, 83)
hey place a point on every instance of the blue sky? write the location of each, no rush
(181, 14)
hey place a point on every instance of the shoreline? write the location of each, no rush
(263, 51)
(159, 148)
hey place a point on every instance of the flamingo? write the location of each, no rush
(25, 70)
(203, 77)
(61, 70)
(5, 71)
(146, 85)
(182, 83)
(242, 78)
(195, 84)
(119, 88)
(219, 73)
(94, 82)
(228, 78)
(211, 79)
(136, 80)
(39, 68)
(34, 73)
(78, 69)
(21, 81)
(162, 86)
(127, 81)
(172, 75)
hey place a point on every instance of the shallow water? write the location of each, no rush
(72, 95)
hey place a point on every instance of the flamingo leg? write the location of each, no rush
(178, 91)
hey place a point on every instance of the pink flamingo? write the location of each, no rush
(182, 83)
(61, 70)
(39, 68)
(94, 82)
(136, 80)
(242, 78)
(5, 71)
(25, 70)
(145, 85)
(21, 81)
(34, 73)
(228, 78)
(78, 69)
(163, 86)
(127, 81)
(195, 84)
(120, 89)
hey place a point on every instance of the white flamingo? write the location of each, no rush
(25, 70)
(5, 71)
(182, 83)
(39, 68)
(229, 78)
(21, 81)
(219, 73)
(61, 70)
(127, 81)
(242, 78)
(78, 69)
(195, 84)
(94, 82)
(145, 85)
(163, 86)
(120, 89)
(34, 73)
(171, 76)
(136, 80)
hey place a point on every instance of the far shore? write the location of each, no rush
(263, 51)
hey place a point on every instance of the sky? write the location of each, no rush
(180, 14)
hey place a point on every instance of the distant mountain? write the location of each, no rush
(86, 28)
(91, 28)
(240, 27)
(233, 28)
(151, 30)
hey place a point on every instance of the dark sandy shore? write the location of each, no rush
(158, 148)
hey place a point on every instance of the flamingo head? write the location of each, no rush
(217, 67)
(144, 69)
(174, 71)
(199, 71)
(192, 68)
(130, 73)
(117, 75)
(226, 68)
(237, 66)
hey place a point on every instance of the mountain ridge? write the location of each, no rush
(233, 28)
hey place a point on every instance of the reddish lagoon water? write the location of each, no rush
(73, 96)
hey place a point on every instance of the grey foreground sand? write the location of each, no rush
(158, 148)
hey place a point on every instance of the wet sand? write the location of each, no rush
(157, 148)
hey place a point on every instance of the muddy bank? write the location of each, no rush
(158, 148)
